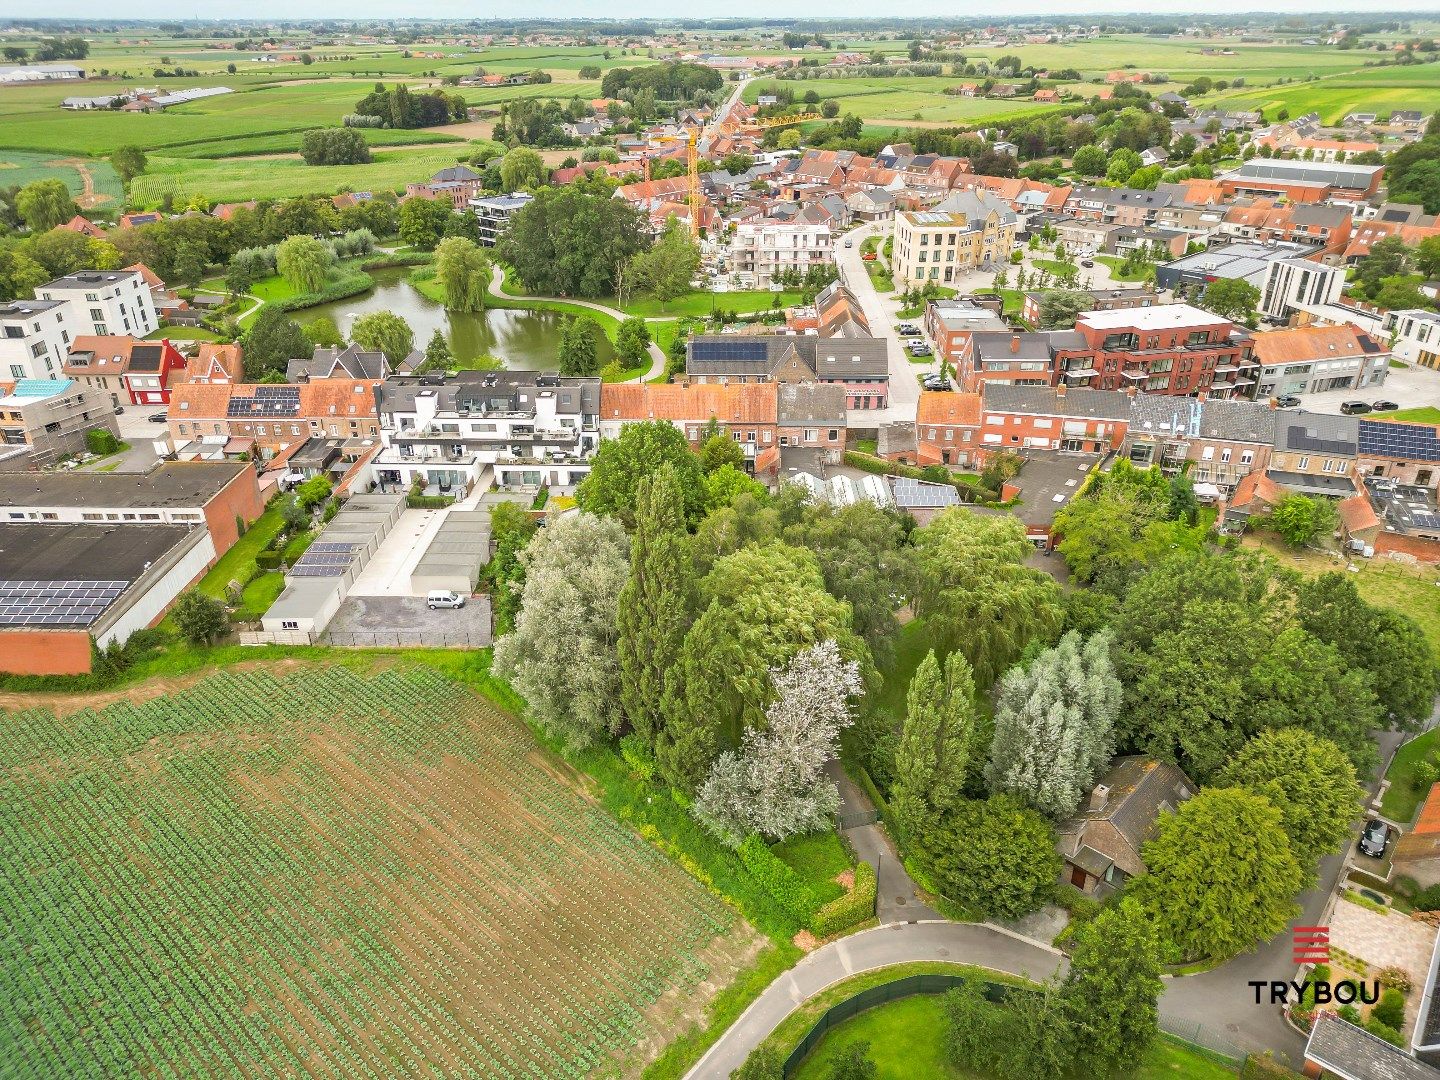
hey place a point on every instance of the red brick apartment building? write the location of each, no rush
(1170, 349)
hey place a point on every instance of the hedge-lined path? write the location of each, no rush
(897, 899)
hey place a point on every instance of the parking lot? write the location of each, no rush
(402, 621)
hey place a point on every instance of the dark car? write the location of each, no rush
(1384, 406)
(1375, 838)
(1287, 401)
(1354, 408)
(1087, 263)
(157, 418)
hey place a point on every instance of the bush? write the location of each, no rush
(1390, 1010)
(1395, 977)
(1427, 899)
(781, 882)
(342, 288)
(101, 441)
(268, 560)
(637, 754)
(849, 910)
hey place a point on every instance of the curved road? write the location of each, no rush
(657, 354)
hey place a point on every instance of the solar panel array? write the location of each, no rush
(1300, 439)
(325, 558)
(316, 570)
(912, 493)
(728, 350)
(1425, 520)
(344, 549)
(1412, 442)
(266, 401)
(56, 603)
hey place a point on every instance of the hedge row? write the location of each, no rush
(849, 910)
(428, 502)
(352, 284)
(787, 887)
(392, 259)
(969, 487)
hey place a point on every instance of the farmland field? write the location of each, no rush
(326, 873)
(902, 100)
(18, 168)
(1382, 92)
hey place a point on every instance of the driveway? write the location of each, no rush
(405, 620)
(1409, 388)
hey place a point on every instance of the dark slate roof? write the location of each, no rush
(1002, 345)
(1319, 433)
(353, 363)
(490, 391)
(1230, 420)
(839, 357)
(455, 173)
(1352, 1053)
(811, 403)
(1307, 172)
(1046, 401)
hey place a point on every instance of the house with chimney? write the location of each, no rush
(216, 362)
(1101, 843)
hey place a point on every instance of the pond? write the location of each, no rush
(525, 340)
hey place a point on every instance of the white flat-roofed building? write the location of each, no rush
(106, 302)
(35, 338)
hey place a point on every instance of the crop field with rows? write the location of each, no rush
(324, 873)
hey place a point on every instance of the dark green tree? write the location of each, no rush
(273, 340)
(1112, 991)
(202, 619)
(578, 353)
(995, 857)
(932, 759)
(571, 241)
(657, 603)
(619, 465)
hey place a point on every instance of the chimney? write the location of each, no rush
(1131, 391)
(1099, 798)
(1014, 343)
(1059, 391)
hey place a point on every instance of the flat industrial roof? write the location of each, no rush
(98, 563)
(174, 485)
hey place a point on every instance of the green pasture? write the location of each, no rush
(904, 100)
(235, 179)
(1335, 98)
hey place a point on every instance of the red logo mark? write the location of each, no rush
(1311, 945)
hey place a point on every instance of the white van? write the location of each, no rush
(443, 598)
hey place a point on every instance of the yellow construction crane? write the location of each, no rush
(692, 162)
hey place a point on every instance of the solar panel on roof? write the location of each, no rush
(266, 401)
(315, 570)
(728, 350)
(911, 493)
(326, 558)
(1301, 439)
(56, 603)
(1414, 442)
(1425, 520)
(328, 546)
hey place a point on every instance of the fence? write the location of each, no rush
(880, 995)
(1205, 1038)
(407, 639)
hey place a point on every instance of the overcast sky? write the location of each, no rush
(301, 9)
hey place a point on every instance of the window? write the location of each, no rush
(1225, 454)
(1207, 454)
(1247, 456)
(811, 434)
(1303, 464)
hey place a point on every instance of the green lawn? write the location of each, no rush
(1119, 273)
(238, 564)
(183, 333)
(818, 858)
(1426, 414)
(1405, 793)
(259, 595)
(911, 645)
(906, 1040)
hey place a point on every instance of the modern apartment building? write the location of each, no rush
(493, 213)
(35, 335)
(963, 233)
(106, 302)
(761, 251)
(534, 428)
(1416, 334)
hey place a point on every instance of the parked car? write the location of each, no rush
(1287, 401)
(157, 418)
(1354, 408)
(920, 349)
(1374, 838)
(443, 598)
(1384, 406)
(849, 243)
(119, 409)
(869, 256)
(1087, 263)
(909, 329)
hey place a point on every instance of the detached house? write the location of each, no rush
(1101, 844)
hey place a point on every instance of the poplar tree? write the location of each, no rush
(934, 751)
(1111, 992)
(657, 602)
(1054, 725)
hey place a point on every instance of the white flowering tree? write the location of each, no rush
(561, 656)
(775, 784)
(1054, 725)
